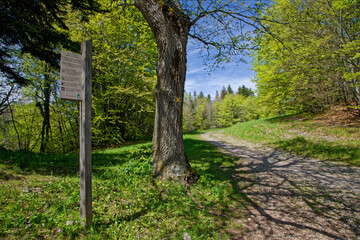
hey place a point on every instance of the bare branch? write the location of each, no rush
(207, 43)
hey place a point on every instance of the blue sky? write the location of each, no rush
(236, 74)
(200, 79)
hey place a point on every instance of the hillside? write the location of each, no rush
(332, 136)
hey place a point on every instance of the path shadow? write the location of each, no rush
(287, 196)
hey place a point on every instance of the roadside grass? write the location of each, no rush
(39, 196)
(305, 136)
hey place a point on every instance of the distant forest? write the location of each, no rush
(226, 109)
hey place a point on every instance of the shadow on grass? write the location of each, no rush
(290, 118)
(189, 207)
(207, 158)
(282, 191)
(209, 163)
(63, 164)
(324, 150)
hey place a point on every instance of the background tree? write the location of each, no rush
(246, 92)
(217, 95)
(201, 95)
(42, 83)
(223, 93)
(188, 113)
(10, 87)
(229, 90)
(230, 110)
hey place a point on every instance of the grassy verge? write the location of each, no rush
(39, 196)
(304, 135)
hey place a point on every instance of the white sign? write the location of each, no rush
(71, 69)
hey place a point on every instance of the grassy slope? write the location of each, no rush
(40, 193)
(321, 137)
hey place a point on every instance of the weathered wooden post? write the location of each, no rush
(75, 84)
(85, 137)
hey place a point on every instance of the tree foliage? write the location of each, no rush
(124, 74)
(313, 63)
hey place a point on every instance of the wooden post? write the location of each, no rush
(85, 137)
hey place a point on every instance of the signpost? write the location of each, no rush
(71, 76)
(75, 84)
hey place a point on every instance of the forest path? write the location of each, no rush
(291, 197)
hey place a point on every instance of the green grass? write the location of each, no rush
(39, 193)
(303, 137)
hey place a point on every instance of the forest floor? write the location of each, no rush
(291, 197)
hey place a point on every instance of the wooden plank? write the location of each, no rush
(85, 137)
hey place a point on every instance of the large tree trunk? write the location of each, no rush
(171, 29)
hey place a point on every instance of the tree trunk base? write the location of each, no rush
(180, 171)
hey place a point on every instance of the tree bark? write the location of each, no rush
(45, 110)
(171, 29)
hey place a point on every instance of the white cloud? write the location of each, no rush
(195, 70)
(193, 51)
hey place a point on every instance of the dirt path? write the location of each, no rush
(290, 197)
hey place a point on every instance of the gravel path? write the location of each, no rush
(291, 197)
